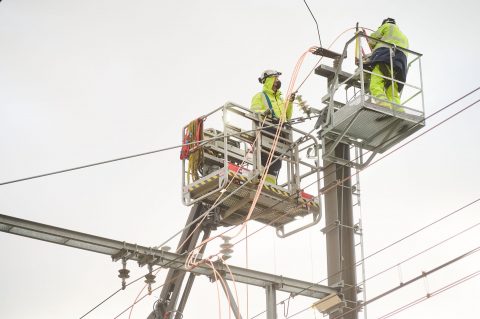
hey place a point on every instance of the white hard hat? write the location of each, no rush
(267, 73)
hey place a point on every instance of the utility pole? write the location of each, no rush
(339, 231)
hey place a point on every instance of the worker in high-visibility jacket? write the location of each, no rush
(270, 103)
(382, 88)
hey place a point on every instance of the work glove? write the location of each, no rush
(292, 97)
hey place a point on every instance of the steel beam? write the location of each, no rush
(233, 305)
(118, 249)
(170, 292)
(271, 302)
(339, 230)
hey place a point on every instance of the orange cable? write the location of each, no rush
(351, 176)
(246, 262)
(224, 284)
(275, 140)
(315, 66)
(198, 247)
(362, 169)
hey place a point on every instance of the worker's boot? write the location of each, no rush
(385, 104)
(271, 179)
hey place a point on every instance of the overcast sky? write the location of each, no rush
(87, 81)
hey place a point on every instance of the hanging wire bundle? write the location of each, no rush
(192, 135)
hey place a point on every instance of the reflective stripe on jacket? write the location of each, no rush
(260, 104)
(389, 33)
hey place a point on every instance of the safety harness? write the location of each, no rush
(270, 105)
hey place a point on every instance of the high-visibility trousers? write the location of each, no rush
(382, 89)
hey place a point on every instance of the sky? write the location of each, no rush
(87, 81)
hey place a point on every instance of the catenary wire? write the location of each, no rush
(104, 300)
(109, 297)
(392, 290)
(316, 23)
(436, 292)
(424, 251)
(413, 256)
(404, 238)
(316, 64)
(390, 245)
(424, 274)
(294, 122)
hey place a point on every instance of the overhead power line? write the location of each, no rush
(393, 244)
(87, 165)
(436, 292)
(109, 297)
(394, 289)
(316, 23)
(293, 121)
(425, 250)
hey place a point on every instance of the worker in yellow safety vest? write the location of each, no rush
(270, 103)
(382, 62)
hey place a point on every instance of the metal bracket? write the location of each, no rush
(330, 227)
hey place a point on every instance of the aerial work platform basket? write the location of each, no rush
(354, 117)
(226, 176)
